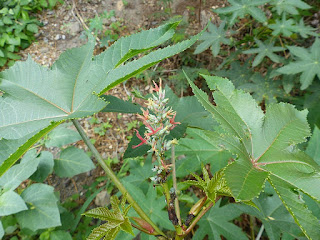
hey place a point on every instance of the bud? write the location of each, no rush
(174, 141)
(145, 226)
(197, 207)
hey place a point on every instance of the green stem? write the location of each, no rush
(166, 192)
(252, 227)
(204, 210)
(114, 178)
(178, 237)
(174, 178)
(179, 230)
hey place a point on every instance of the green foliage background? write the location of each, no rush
(18, 26)
(258, 145)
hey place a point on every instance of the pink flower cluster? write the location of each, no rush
(160, 123)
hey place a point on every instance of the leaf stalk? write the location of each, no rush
(204, 210)
(174, 178)
(114, 178)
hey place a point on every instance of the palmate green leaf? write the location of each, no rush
(238, 74)
(120, 106)
(283, 26)
(252, 183)
(263, 88)
(232, 116)
(311, 102)
(264, 50)
(112, 72)
(105, 214)
(28, 106)
(295, 204)
(139, 151)
(12, 150)
(211, 186)
(178, 80)
(289, 6)
(265, 145)
(72, 161)
(305, 31)
(274, 216)
(104, 230)
(139, 175)
(72, 80)
(307, 63)
(43, 210)
(199, 149)
(189, 111)
(313, 149)
(116, 220)
(240, 8)
(151, 204)
(213, 38)
(218, 221)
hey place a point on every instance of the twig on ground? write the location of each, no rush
(76, 14)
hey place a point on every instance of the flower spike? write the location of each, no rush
(145, 115)
(151, 129)
(143, 140)
(173, 122)
(157, 88)
(159, 119)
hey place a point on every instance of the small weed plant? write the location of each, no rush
(209, 159)
(18, 26)
(108, 34)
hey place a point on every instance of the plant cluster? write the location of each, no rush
(34, 169)
(269, 36)
(261, 44)
(228, 145)
(79, 85)
(280, 56)
(108, 34)
(18, 26)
